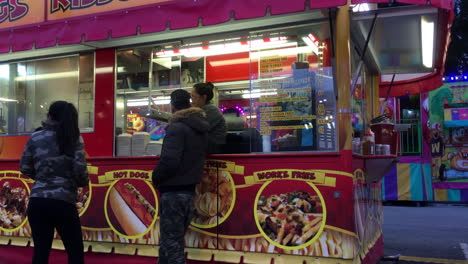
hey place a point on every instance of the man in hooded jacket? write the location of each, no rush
(179, 169)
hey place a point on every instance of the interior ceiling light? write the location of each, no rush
(228, 48)
(257, 95)
(279, 52)
(361, 8)
(312, 42)
(7, 100)
(47, 76)
(160, 100)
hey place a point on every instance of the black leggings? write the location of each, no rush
(45, 215)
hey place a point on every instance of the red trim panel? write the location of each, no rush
(100, 142)
(414, 86)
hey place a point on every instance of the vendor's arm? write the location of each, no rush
(27, 162)
(213, 116)
(171, 153)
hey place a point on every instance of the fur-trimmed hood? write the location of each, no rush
(193, 117)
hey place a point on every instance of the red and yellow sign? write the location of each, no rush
(61, 9)
(20, 12)
(26, 12)
(259, 207)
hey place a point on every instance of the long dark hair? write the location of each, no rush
(205, 89)
(68, 133)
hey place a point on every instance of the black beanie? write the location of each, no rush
(180, 99)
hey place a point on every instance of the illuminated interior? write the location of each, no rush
(288, 68)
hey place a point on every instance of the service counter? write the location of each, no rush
(256, 206)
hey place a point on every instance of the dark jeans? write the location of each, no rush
(45, 215)
(176, 215)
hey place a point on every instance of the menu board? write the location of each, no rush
(274, 66)
(326, 109)
(295, 107)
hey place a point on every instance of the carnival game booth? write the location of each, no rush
(448, 115)
(438, 174)
(407, 97)
(289, 191)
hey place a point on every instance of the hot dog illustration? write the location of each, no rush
(133, 212)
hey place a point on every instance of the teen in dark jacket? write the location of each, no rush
(54, 157)
(179, 169)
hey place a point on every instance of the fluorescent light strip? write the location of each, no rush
(427, 42)
(256, 95)
(361, 8)
(228, 48)
(104, 70)
(312, 42)
(145, 103)
(200, 52)
(229, 62)
(146, 99)
(4, 71)
(7, 100)
(47, 76)
(163, 100)
(279, 52)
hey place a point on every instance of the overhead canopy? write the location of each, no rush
(64, 24)
(408, 42)
(398, 41)
(32, 25)
(415, 81)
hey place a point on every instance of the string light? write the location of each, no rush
(237, 107)
(457, 78)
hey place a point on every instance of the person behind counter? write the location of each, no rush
(202, 95)
(55, 158)
(179, 169)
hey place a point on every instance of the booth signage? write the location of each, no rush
(61, 9)
(20, 12)
(285, 209)
(15, 13)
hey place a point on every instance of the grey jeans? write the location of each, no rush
(176, 215)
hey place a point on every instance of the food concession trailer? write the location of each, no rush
(289, 76)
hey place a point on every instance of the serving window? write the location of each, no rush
(275, 88)
(28, 88)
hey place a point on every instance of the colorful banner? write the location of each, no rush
(456, 114)
(61, 9)
(21, 12)
(449, 144)
(408, 182)
(250, 207)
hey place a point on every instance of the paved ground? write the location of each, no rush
(430, 232)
